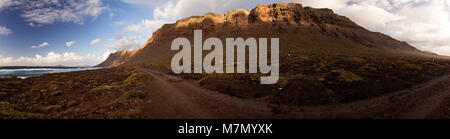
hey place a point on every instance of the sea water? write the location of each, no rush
(32, 71)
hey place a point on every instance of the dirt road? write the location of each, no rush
(172, 97)
(414, 103)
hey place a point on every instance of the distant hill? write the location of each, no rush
(299, 28)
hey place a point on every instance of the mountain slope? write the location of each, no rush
(298, 27)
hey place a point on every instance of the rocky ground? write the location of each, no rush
(150, 91)
(104, 93)
(327, 63)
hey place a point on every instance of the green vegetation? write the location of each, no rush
(103, 88)
(137, 76)
(135, 94)
(57, 93)
(50, 109)
(347, 76)
(11, 111)
(85, 94)
(407, 66)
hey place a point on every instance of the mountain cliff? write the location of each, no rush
(299, 28)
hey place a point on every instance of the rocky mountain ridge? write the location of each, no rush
(272, 20)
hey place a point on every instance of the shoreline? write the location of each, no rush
(24, 72)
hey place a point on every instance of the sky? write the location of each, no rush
(85, 32)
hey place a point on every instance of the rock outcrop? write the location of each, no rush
(118, 58)
(265, 20)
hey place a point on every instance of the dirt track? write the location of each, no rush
(171, 97)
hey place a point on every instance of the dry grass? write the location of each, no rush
(104, 93)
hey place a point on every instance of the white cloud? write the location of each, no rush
(52, 59)
(132, 28)
(331, 4)
(40, 45)
(424, 24)
(4, 31)
(106, 55)
(135, 35)
(173, 10)
(5, 3)
(69, 44)
(167, 11)
(145, 2)
(50, 11)
(145, 26)
(125, 43)
(120, 23)
(369, 16)
(96, 41)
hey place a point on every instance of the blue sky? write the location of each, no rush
(116, 24)
(62, 32)
(25, 33)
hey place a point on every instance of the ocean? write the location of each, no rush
(32, 71)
